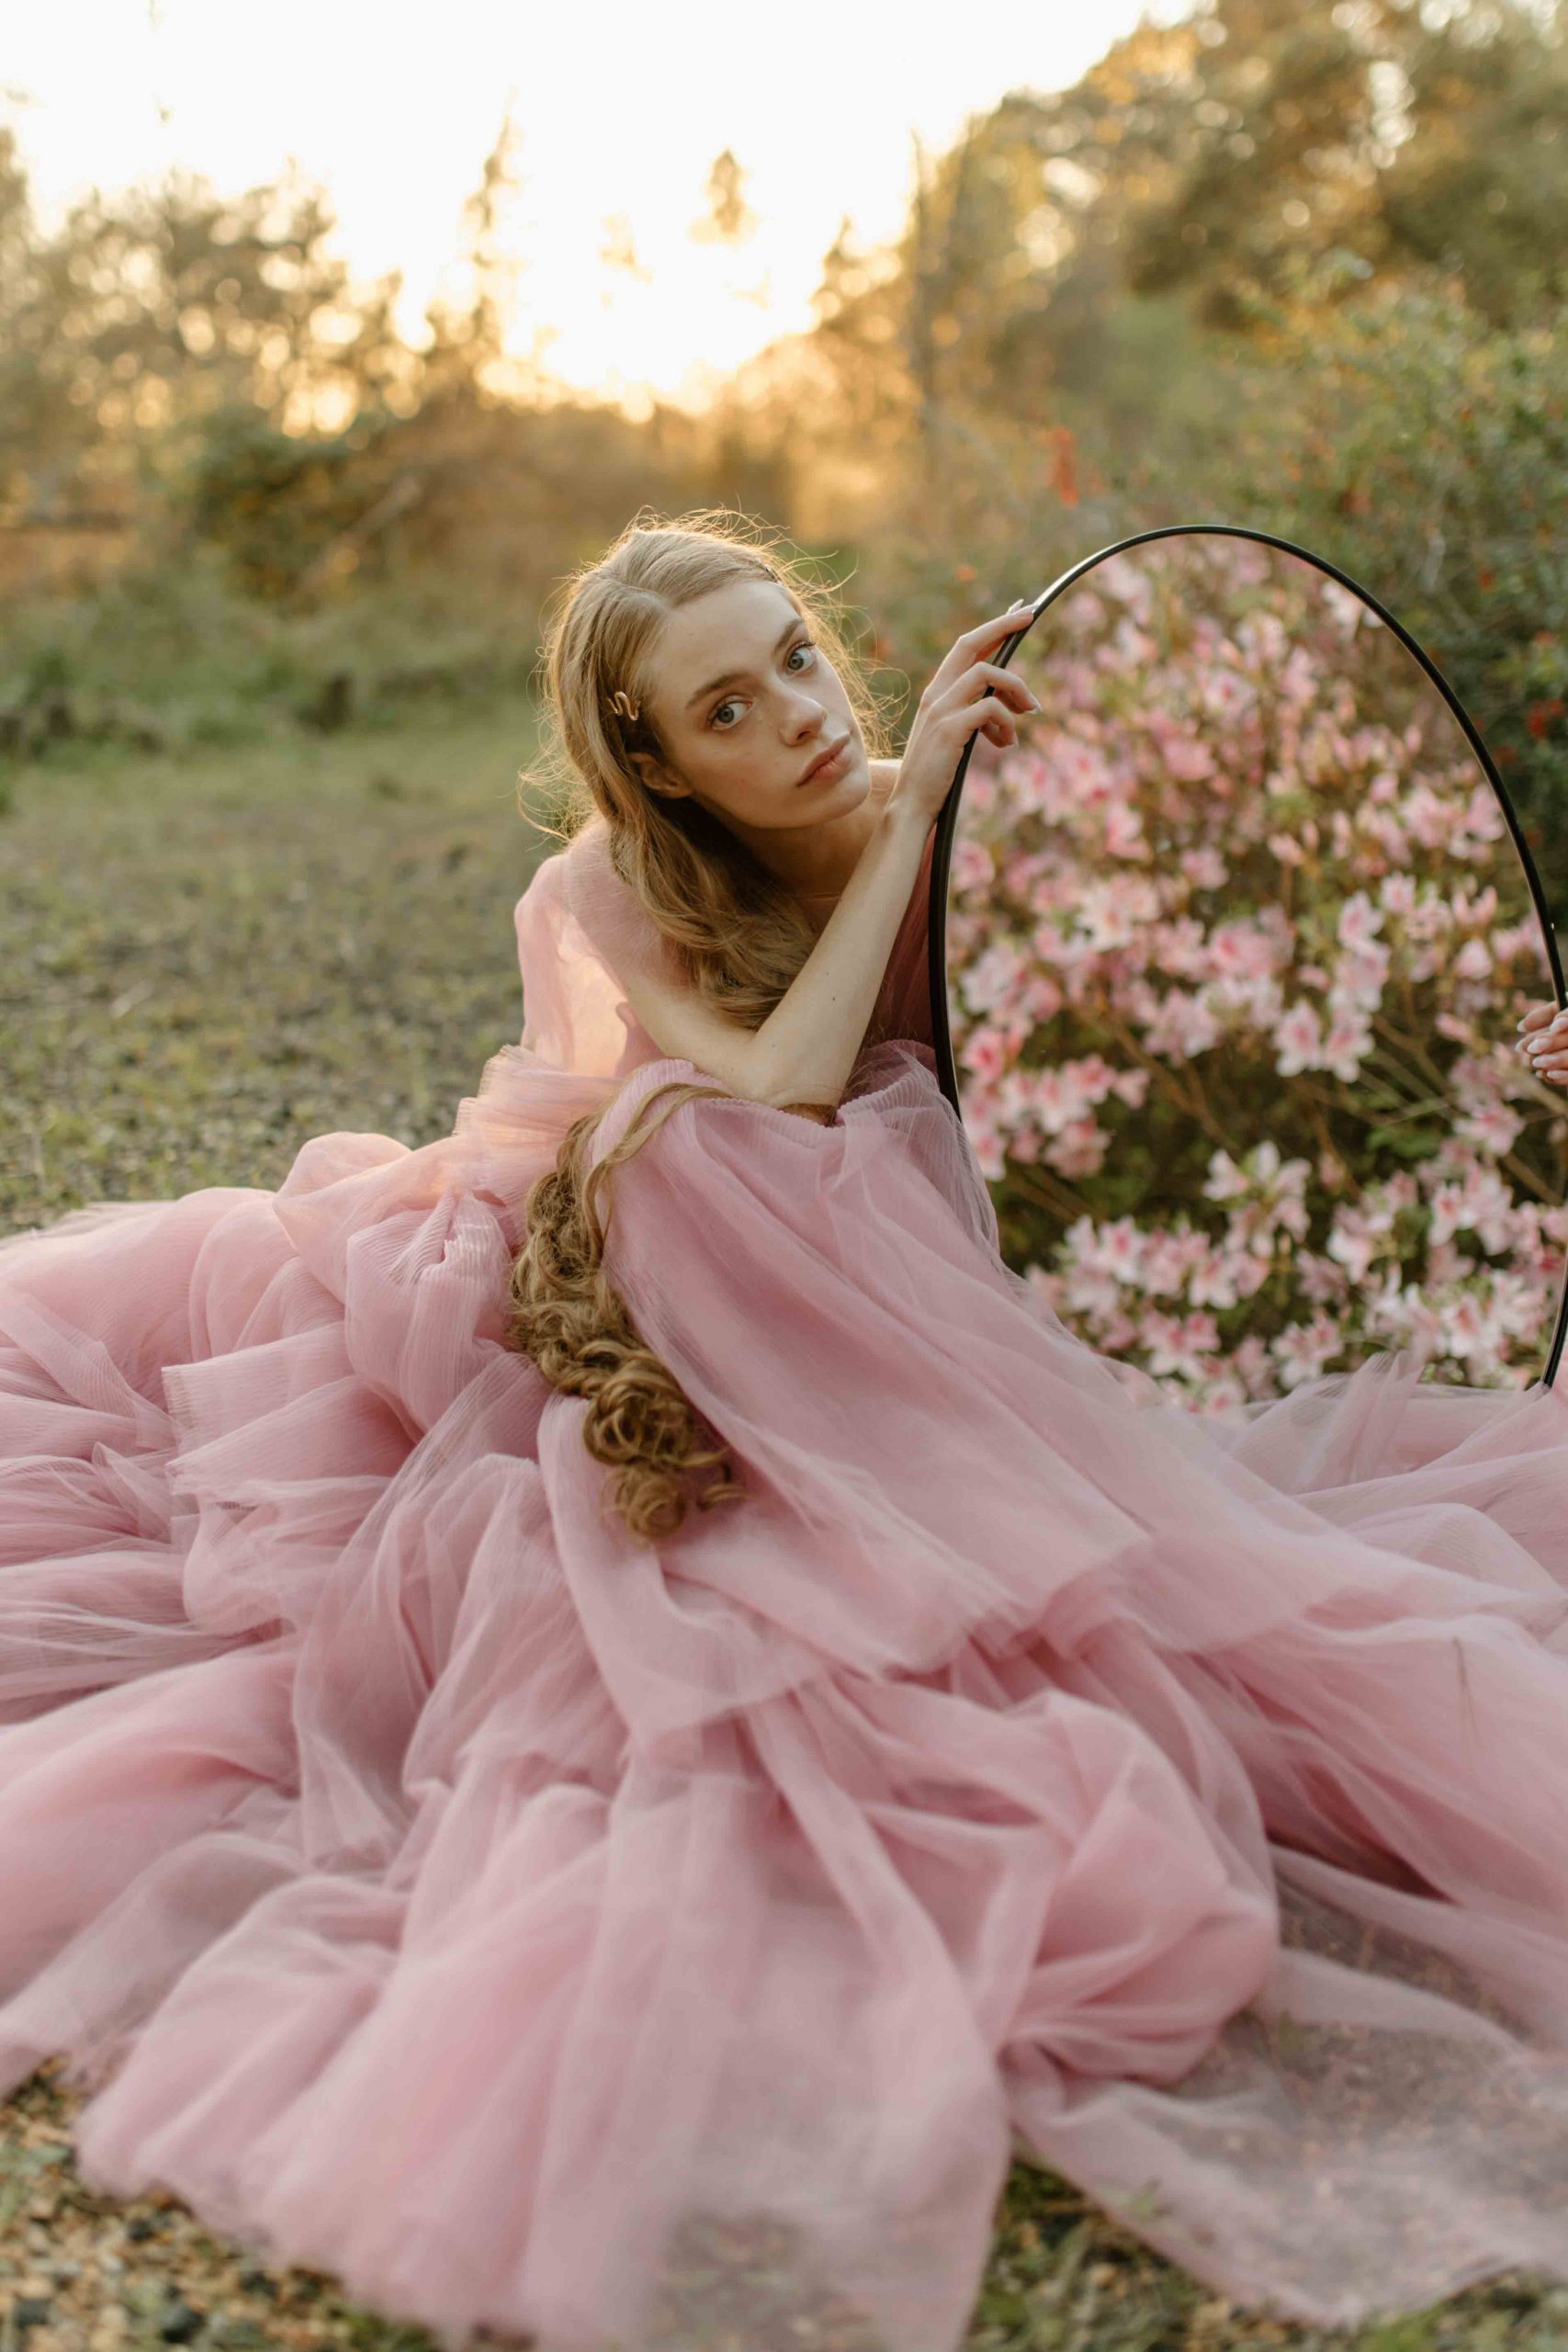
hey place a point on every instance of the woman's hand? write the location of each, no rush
(1544, 1039)
(968, 695)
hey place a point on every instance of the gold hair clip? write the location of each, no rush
(622, 701)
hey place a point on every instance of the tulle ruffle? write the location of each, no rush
(609, 1940)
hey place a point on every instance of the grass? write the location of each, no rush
(172, 655)
(209, 960)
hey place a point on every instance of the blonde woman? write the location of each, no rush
(600, 1721)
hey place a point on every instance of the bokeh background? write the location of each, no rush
(332, 336)
(1299, 264)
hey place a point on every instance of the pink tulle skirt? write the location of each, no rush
(607, 1940)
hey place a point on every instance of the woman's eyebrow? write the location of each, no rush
(730, 676)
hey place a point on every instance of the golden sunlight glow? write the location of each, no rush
(621, 111)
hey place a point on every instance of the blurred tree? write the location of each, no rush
(1426, 450)
(204, 368)
(150, 312)
(294, 512)
(728, 220)
(1386, 131)
(1479, 186)
(1205, 166)
(618, 249)
(466, 355)
(1108, 306)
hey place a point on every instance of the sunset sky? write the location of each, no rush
(621, 108)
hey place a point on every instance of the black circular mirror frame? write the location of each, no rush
(947, 822)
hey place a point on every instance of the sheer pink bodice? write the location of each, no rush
(582, 931)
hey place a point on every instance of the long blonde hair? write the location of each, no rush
(739, 936)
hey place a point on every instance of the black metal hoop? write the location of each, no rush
(947, 819)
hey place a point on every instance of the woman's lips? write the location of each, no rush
(830, 764)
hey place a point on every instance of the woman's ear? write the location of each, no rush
(657, 778)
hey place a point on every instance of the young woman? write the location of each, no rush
(598, 1720)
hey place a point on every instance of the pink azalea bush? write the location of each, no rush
(1236, 940)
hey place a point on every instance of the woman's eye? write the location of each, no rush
(801, 645)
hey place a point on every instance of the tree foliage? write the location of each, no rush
(1296, 262)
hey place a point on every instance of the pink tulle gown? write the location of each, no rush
(650, 1945)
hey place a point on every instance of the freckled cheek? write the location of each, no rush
(744, 777)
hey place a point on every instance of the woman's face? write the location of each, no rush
(745, 702)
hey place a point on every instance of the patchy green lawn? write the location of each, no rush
(205, 965)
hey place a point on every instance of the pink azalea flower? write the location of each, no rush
(1225, 1180)
(1359, 921)
(1125, 833)
(1204, 868)
(984, 1053)
(1322, 1281)
(1299, 1040)
(1180, 1346)
(1497, 1128)
(986, 982)
(1346, 1047)
(1079, 1150)
(1353, 1243)
(1117, 1245)
(987, 1145)
(972, 867)
(1189, 759)
(1183, 1027)
(1304, 1350)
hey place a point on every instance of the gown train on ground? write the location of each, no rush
(625, 1944)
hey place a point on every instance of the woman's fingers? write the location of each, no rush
(1543, 1041)
(975, 642)
(990, 677)
(988, 699)
(1000, 625)
(1548, 1052)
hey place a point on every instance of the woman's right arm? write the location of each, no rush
(807, 1047)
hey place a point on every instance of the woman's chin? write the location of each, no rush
(841, 797)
